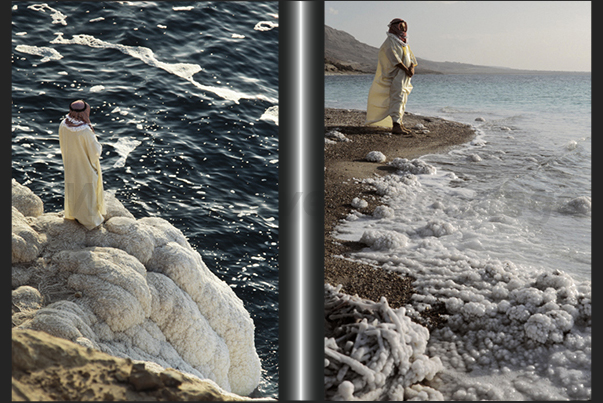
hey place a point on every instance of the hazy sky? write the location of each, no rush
(534, 35)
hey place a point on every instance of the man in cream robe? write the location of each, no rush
(391, 86)
(84, 197)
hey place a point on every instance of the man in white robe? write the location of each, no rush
(391, 86)
(84, 197)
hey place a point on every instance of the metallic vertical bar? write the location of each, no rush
(311, 89)
(301, 189)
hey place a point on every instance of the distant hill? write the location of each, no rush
(345, 54)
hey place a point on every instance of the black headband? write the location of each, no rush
(71, 108)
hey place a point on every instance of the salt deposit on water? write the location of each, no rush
(513, 332)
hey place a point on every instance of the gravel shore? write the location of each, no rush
(345, 166)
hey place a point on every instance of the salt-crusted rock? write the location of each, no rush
(375, 156)
(24, 200)
(27, 244)
(579, 205)
(383, 212)
(216, 302)
(124, 233)
(359, 203)
(114, 207)
(383, 239)
(61, 234)
(112, 284)
(337, 136)
(136, 289)
(416, 166)
(474, 158)
(26, 297)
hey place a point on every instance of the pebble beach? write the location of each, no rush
(346, 165)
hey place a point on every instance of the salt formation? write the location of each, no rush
(474, 158)
(579, 205)
(130, 288)
(420, 127)
(373, 352)
(416, 166)
(384, 239)
(383, 212)
(375, 156)
(336, 136)
(359, 203)
(512, 332)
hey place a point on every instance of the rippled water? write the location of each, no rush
(532, 155)
(184, 99)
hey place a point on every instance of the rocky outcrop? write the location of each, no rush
(47, 368)
(131, 288)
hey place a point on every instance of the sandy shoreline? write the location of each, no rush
(345, 165)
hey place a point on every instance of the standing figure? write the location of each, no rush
(84, 197)
(391, 85)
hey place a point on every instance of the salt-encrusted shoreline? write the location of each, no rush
(361, 334)
(346, 166)
(494, 330)
(131, 288)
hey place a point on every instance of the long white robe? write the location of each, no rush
(84, 197)
(389, 92)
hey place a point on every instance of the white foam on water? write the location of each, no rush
(271, 114)
(124, 147)
(183, 8)
(97, 88)
(21, 128)
(46, 53)
(122, 112)
(56, 15)
(146, 55)
(265, 25)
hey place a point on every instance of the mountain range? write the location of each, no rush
(345, 54)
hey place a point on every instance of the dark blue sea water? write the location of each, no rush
(184, 100)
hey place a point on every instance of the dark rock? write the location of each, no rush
(142, 379)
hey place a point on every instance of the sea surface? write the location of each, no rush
(184, 99)
(517, 196)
